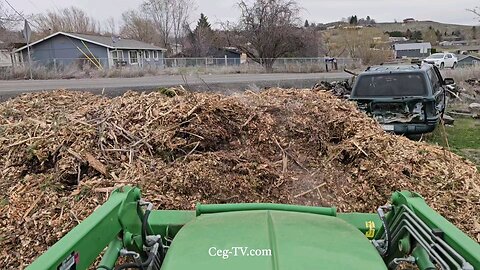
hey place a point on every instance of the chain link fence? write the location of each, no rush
(58, 68)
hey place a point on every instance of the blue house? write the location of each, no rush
(63, 49)
(468, 60)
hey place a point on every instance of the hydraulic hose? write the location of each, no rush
(151, 256)
(145, 228)
(146, 243)
(381, 214)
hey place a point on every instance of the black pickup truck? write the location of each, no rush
(404, 99)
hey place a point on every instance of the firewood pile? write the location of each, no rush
(62, 153)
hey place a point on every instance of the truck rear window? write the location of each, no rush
(390, 85)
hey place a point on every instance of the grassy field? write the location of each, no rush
(463, 138)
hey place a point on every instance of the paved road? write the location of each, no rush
(114, 86)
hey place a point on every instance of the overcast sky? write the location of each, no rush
(448, 11)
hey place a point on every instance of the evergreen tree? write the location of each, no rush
(408, 34)
(203, 22)
(354, 20)
(439, 35)
(417, 35)
(306, 24)
(474, 32)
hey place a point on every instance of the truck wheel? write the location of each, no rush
(442, 65)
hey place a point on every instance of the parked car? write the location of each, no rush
(404, 99)
(442, 60)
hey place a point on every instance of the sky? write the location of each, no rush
(447, 11)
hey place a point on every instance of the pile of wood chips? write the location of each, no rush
(62, 153)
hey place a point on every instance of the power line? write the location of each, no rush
(35, 6)
(16, 11)
(55, 5)
(10, 20)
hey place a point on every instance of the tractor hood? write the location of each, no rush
(267, 239)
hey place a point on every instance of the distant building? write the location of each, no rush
(223, 56)
(409, 20)
(467, 49)
(353, 27)
(446, 43)
(176, 48)
(412, 50)
(63, 49)
(453, 43)
(451, 38)
(397, 39)
(468, 60)
(9, 42)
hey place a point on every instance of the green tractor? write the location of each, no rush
(129, 234)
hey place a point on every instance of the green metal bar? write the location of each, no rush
(112, 253)
(82, 245)
(219, 208)
(464, 245)
(168, 222)
(422, 259)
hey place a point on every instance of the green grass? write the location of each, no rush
(463, 138)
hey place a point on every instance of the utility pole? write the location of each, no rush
(27, 34)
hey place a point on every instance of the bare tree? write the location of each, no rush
(180, 14)
(475, 11)
(136, 25)
(269, 30)
(111, 26)
(8, 18)
(160, 11)
(169, 17)
(368, 44)
(70, 19)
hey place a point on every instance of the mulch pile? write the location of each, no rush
(62, 153)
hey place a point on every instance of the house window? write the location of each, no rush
(147, 54)
(133, 56)
(117, 55)
(155, 54)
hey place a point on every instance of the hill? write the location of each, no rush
(423, 26)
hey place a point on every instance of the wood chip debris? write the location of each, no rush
(63, 151)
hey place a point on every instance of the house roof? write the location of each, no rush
(469, 48)
(412, 46)
(10, 40)
(463, 57)
(104, 41)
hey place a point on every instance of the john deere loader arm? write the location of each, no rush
(413, 232)
(127, 234)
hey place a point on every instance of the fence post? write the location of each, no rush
(206, 62)
(226, 60)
